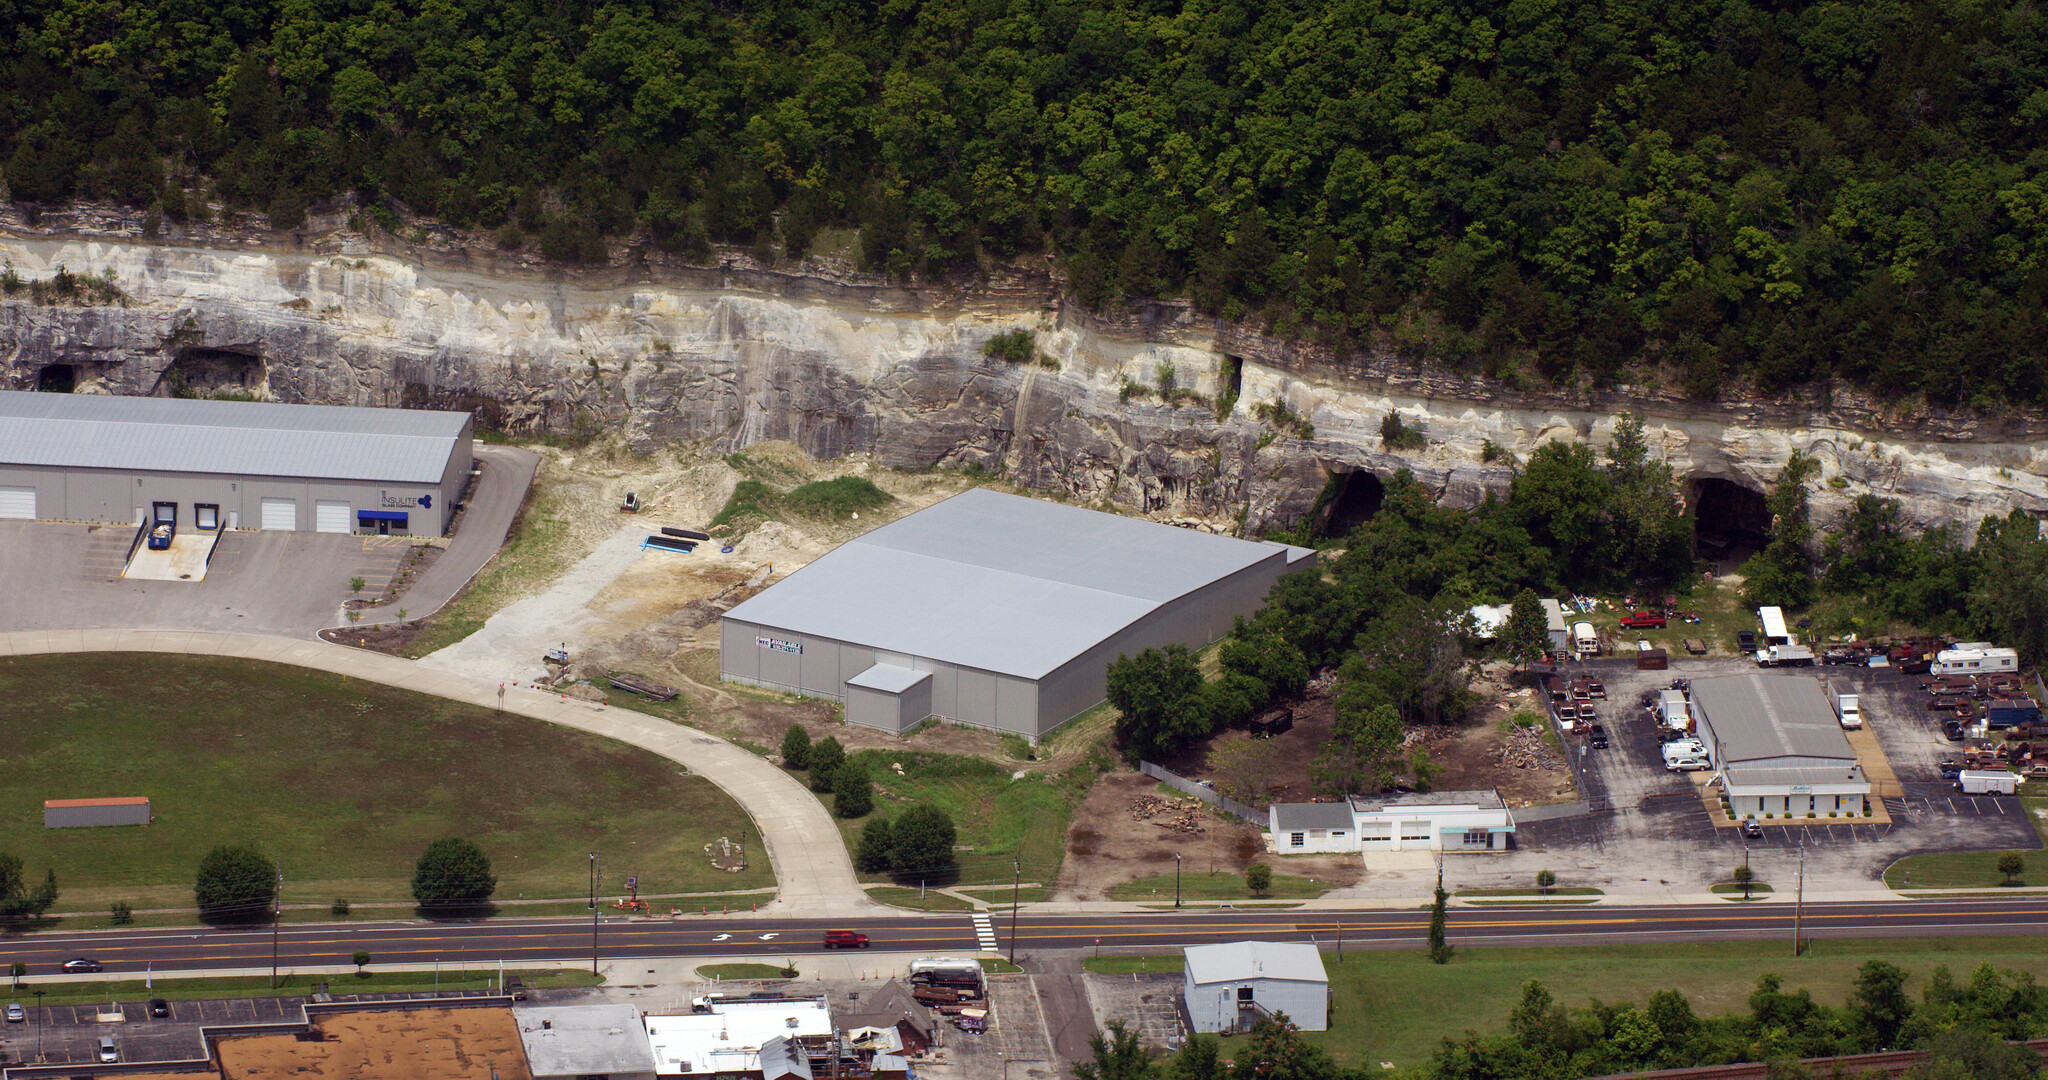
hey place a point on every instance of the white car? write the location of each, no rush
(1686, 764)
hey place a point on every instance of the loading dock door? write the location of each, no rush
(281, 514)
(18, 502)
(330, 517)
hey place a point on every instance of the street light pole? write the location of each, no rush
(1016, 877)
(39, 1022)
(1176, 879)
(276, 914)
(593, 913)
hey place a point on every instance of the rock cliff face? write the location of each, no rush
(839, 365)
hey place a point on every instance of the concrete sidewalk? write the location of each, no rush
(814, 875)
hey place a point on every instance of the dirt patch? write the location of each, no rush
(394, 638)
(1128, 828)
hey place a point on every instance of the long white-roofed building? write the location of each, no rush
(993, 610)
(231, 464)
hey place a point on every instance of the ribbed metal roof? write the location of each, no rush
(247, 438)
(1770, 721)
(998, 582)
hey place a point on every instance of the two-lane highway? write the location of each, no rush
(538, 940)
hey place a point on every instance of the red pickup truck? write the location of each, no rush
(1644, 620)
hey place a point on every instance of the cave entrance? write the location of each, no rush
(1357, 498)
(57, 379)
(213, 373)
(1730, 522)
(1233, 378)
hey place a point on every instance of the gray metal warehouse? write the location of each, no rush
(1778, 746)
(235, 464)
(993, 610)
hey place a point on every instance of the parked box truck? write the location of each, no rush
(1846, 710)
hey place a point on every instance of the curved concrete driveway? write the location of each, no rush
(813, 874)
(507, 472)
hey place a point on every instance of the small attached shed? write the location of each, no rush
(1230, 987)
(888, 697)
(1311, 828)
(76, 813)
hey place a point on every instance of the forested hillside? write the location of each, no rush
(1551, 189)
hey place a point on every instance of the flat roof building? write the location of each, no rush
(1778, 746)
(583, 1041)
(208, 464)
(767, 1038)
(993, 610)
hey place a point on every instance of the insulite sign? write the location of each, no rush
(400, 502)
(779, 645)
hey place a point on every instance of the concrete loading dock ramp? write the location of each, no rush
(185, 560)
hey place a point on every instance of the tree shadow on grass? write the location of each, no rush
(460, 911)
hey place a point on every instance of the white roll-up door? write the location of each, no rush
(18, 502)
(330, 517)
(281, 514)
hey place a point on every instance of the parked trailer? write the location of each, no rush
(1976, 658)
(1773, 620)
(1970, 782)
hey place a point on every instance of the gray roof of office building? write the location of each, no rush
(584, 1040)
(1485, 800)
(999, 582)
(246, 438)
(1241, 961)
(1289, 816)
(1757, 717)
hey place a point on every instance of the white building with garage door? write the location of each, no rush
(1410, 821)
(231, 464)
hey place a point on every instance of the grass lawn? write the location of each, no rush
(998, 818)
(1970, 869)
(1140, 965)
(532, 557)
(1729, 888)
(297, 984)
(343, 781)
(1218, 886)
(1555, 890)
(1397, 1006)
(896, 896)
(677, 710)
(1000, 895)
(742, 971)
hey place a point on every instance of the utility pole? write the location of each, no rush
(1016, 876)
(593, 913)
(1176, 879)
(1799, 901)
(276, 914)
(39, 1022)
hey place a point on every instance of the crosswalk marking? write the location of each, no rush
(985, 932)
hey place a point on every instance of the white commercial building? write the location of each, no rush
(577, 1042)
(762, 1037)
(1778, 746)
(1417, 821)
(1231, 987)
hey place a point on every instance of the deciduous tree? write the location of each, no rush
(236, 883)
(452, 871)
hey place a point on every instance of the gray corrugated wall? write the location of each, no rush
(873, 708)
(108, 495)
(71, 817)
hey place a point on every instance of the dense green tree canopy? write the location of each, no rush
(236, 883)
(1737, 189)
(453, 871)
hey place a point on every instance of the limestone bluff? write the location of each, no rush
(838, 362)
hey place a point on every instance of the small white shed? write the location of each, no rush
(1230, 987)
(1312, 828)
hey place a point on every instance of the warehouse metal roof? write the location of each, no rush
(888, 678)
(1000, 582)
(1757, 717)
(1244, 961)
(1289, 816)
(247, 438)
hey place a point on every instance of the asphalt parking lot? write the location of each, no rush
(71, 1033)
(68, 576)
(1659, 836)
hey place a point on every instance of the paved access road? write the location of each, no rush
(507, 472)
(541, 940)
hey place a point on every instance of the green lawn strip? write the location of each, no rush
(1756, 888)
(1218, 886)
(1002, 824)
(931, 900)
(1527, 901)
(1000, 895)
(1261, 905)
(537, 549)
(742, 971)
(1000, 967)
(1163, 964)
(1397, 1006)
(296, 984)
(1559, 890)
(343, 781)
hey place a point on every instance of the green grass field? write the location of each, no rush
(930, 900)
(1972, 869)
(297, 984)
(720, 972)
(1000, 818)
(1397, 1006)
(1196, 885)
(343, 781)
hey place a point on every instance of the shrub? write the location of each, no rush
(2012, 864)
(453, 871)
(122, 913)
(1395, 435)
(1010, 346)
(362, 960)
(826, 757)
(796, 747)
(750, 498)
(339, 909)
(853, 794)
(1258, 879)
(1545, 879)
(837, 497)
(872, 856)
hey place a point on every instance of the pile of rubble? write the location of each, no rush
(1526, 748)
(1180, 815)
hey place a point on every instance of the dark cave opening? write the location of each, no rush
(1357, 499)
(57, 379)
(1730, 522)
